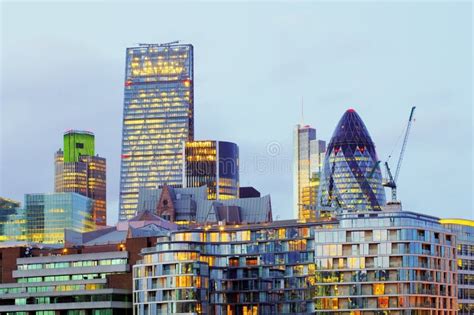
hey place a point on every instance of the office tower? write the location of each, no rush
(351, 177)
(307, 165)
(464, 231)
(158, 117)
(12, 221)
(214, 164)
(47, 215)
(357, 263)
(79, 170)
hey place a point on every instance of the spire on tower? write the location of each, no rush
(302, 111)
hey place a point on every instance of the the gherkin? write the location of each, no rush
(351, 177)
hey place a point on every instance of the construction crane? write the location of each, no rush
(391, 182)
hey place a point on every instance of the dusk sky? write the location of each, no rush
(62, 67)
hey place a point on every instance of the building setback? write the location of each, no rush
(79, 170)
(158, 117)
(214, 164)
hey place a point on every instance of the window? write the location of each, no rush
(379, 289)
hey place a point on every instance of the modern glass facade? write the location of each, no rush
(158, 117)
(215, 164)
(464, 230)
(49, 214)
(351, 177)
(387, 263)
(81, 172)
(308, 161)
(172, 282)
(12, 221)
(365, 263)
(67, 284)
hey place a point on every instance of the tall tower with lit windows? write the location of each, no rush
(158, 117)
(308, 156)
(78, 169)
(214, 164)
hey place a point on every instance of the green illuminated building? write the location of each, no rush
(77, 143)
(78, 170)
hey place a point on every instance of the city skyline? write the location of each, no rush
(422, 80)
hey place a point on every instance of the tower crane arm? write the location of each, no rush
(405, 140)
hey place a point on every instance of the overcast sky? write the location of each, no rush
(62, 67)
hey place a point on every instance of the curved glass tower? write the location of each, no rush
(351, 177)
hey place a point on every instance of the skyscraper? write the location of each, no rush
(212, 163)
(351, 177)
(308, 157)
(158, 118)
(78, 170)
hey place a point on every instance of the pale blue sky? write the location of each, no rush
(63, 67)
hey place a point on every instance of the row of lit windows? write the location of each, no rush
(81, 263)
(54, 288)
(245, 235)
(414, 248)
(419, 303)
(149, 160)
(164, 103)
(63, 278)
(343, 236)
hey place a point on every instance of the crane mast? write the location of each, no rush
(391, 182)
(405, 140)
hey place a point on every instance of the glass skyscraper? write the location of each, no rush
(158, 118)
(79, 170)
(351, 177)
(215, 164)
(47, 215)
(307, 159)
